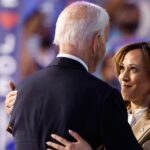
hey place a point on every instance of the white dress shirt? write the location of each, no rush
(133, 118)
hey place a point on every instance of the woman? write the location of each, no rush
(132, 64)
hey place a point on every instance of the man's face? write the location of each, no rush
(134, 78)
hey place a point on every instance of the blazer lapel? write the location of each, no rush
(141, 129)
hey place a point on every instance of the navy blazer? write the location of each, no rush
(65, 96)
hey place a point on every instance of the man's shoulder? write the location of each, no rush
(34, 79)
(99, 82)
(102, 87)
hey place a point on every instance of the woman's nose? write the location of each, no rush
(124, 76)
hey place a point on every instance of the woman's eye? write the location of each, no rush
(133, 69)
(121, 68)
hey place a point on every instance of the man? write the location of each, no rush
(66, 96)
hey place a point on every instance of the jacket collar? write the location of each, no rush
(74, 58)
(68, 63)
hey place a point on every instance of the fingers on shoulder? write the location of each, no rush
(75, 135)
(11, 93)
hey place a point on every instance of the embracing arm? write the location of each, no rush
(111, 127)
(80, 143)
(115, 130)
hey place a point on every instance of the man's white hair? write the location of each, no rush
(77, 24)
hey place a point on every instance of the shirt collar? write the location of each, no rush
(133, 118)
(74, 58)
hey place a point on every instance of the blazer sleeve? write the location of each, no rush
(25, 120)
(116, 132)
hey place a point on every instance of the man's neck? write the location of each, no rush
(70, 49)
(83, 54)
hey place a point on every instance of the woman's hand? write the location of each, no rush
(80, 144)
(10, 99)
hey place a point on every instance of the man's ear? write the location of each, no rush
(96, 43)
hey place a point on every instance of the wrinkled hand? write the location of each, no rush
(10, 99)
(81, 144)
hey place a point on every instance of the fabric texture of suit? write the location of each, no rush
(65, 96)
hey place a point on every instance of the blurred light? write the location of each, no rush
(8, 65)
(9, 3)
(4, 85)
(47, 8)
(9, 44)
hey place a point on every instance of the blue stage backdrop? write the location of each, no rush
(9, 51)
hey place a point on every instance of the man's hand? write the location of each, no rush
(10, 99)
(81, 144)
